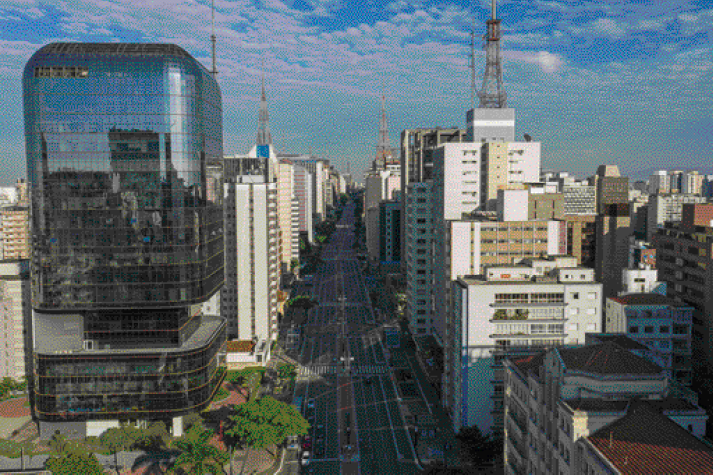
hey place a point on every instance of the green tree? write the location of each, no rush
(264, 422)
(116, 439)
(58, 443)
(72, 463)
(479, 449)
(155, 437)
(197, 455)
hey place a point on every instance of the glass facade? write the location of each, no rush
(118, 137)
(127, 233)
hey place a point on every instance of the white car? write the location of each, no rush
(310, 404)
(305, 457)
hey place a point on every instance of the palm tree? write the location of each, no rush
(198, 456)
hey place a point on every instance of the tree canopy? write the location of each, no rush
(263, 422)
(197, 455)
(71, 463)
(477, 448)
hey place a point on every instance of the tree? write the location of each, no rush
(479, 449)
(155, 437)
(264, 422)
(70, 462)
(197, 455)
(58, 443)
(116, 439)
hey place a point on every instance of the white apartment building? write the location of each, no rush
(382, 185)
(692, 183)
(304, 184)
(561, 406)
(512, 309)
(419, 257)
(249, 297)
(667, 208)
(287, 210)
(643, 280)
(16, 316)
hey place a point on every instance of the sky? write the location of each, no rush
(623, 82)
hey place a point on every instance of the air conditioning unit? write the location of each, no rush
(90, 345)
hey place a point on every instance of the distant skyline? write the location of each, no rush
(596, 82)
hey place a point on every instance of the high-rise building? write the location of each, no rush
(249, 298)
(16, 315)
(419, 257)
(684, 259)
(288, 213)
(304, 184)
(126, 244)
(581, 238)
(390, 235)
(612, 188)
(613, 230)
(667, 208)
(511, 309)
(14, 232)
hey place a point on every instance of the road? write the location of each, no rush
(357, 419)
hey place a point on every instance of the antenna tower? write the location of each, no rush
(263, 129)
(382, 148)
(214, 72)
(492, 95)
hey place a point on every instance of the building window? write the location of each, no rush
(575, 295)
(633, 329)
(664, 329)
(648, 329)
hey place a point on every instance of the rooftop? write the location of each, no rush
(125, 49)
(606, 358)
(620, 339)
(670, 403)
(527, 363)
(646, 299)
(646, 441)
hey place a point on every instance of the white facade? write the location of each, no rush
(249, 297)
(513, 205)
(667, 208)
(15, 314)
(490, 125)
(639, 280)
(304, 184)
(510, 309)
(288, 219)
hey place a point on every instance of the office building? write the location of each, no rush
(249, 297)
(643, 279)
(667, 208)
(16, 315)
(683, 259)
(598, 409)
(127, 246)
(316, 167)
(661, 324)
(612, 188)
(510, 309)
(692, 183)
(579, 197)
(613, 230)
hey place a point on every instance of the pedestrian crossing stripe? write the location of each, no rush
(333, 369)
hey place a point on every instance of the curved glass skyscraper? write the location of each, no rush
(127, 243)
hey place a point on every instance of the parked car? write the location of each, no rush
(305, 457)
(306, 445)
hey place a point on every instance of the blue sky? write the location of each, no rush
(595, 81)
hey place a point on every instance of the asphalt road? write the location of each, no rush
(357, 424)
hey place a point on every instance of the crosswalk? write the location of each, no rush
(334, 369)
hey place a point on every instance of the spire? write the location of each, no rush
(383, 150)
(263, 129)
(214, 72)
(492, 95)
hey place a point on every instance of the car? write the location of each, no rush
(310, 404)
(306, 445)
(305, 457)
